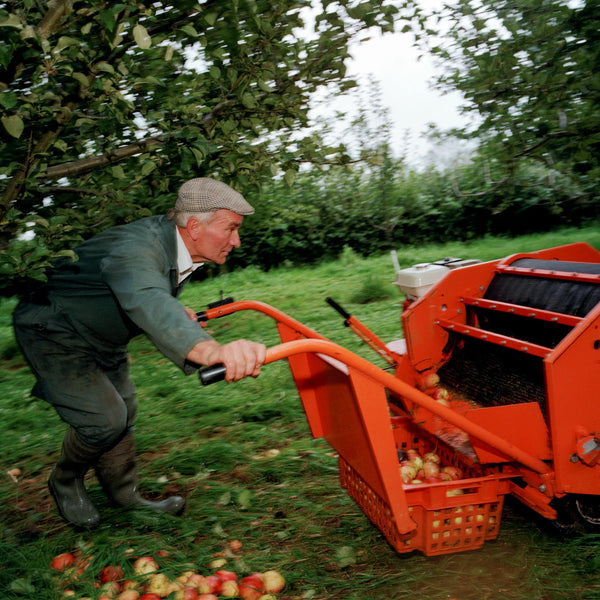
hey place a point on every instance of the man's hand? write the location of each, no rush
(191, 313)
(241, 358)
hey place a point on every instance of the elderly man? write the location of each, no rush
(75, 328)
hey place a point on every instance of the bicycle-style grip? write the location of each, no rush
(212, 374)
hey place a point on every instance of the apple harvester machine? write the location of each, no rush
(516, 344)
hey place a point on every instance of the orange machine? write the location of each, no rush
(498, 374)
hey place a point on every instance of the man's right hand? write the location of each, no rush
(242, 358)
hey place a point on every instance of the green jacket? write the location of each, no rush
(124, 283)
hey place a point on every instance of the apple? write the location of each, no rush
(111, 588)
(111, 573)
(230, 589)
(187, 593)
(214, 583)
(145, 565)
(159, 584)
(235, 545)
(432, 457)
(129, 595)
(128, 584)
(430, 469)
(226, 575)
(149, 596)
(454, 472)
(208, 597)
(251, 587)
(431, 380)
(218, 563)
(408, 473)
(199, 582)
(273, 581)
(183, 578)
(62, 561)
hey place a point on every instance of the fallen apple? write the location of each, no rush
(187, 593)
(149, 596)
(145, 565)
(159, 584)
(273, 581)
(199, 582)
(111, 573)
(129, 594)
(230, 589)
(208, 597)
(251, 587)
(214, 584)
(62, 561)
(224, 575)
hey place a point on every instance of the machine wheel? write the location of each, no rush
(577, 514)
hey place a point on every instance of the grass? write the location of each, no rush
(287, 508)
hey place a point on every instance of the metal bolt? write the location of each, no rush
(574, 458)
(542, 488)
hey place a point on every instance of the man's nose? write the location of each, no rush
(235, 239)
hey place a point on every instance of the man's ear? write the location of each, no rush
(194, 228)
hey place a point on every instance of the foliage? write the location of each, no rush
(287, 509)
(528, 72)
(105, 108)
(374, 208)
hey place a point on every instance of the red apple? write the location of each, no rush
(187, 593)
(62, 561)
(273, 581)
(149, 596)
(454, 472)
(111, 573)
(251, 587)
(208, 597)
(226, 575)
(145, 565)
(214, 583)
(199, 582)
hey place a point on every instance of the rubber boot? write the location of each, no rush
(66, 482)
(117, 473)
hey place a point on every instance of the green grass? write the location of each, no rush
(289, 511)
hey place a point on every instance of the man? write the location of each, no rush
(75, 328)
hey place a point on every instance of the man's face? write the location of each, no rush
(213, 241)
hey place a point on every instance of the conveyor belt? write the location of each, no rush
(491, 375)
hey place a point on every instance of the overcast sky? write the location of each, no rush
(406, 91)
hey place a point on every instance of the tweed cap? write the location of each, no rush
(206, 195)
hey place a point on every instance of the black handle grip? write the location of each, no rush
(337, 307)
(212, 374)
(201, 316)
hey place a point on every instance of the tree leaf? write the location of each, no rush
(142, 37)
(14, 125)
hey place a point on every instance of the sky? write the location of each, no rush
(405, 84)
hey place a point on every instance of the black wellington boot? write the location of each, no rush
(66, 482)
(117, 473)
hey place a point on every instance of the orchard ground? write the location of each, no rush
(243, 456)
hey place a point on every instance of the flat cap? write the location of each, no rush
(206, 195)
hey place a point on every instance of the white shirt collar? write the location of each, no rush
(185, 265)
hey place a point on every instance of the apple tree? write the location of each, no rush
(107, 107)
(528, 71)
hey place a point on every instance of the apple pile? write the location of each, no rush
(427, 468)
(147, 582)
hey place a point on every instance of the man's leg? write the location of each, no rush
(69, 378)
(116, 469)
